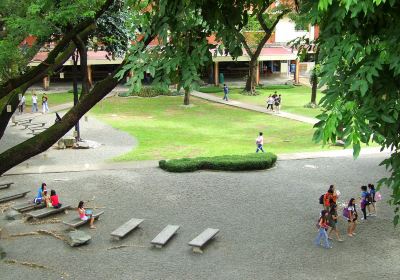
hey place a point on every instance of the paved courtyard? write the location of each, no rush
(267, 222)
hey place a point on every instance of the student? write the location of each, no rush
(330, 197)
(323, 227)
(352, 217)
(278, 101)
(21, 105)
(365, 200)
(39, 197)
(45, 106)
(260, 142)
(84, 216)
(270, 103)
(332, 219)
(372, 193)
(54, 199)
(34, 103)
(226, 91)
(46, 199)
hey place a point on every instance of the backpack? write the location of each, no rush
(346, 213)
(321, 199)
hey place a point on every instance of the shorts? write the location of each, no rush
(85, 218)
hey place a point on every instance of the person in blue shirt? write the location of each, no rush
(365, 201)
(226, 91)
(39, 197)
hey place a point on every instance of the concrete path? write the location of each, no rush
(255, 108)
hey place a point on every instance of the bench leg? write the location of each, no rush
(197, 250)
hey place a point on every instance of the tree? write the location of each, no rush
(264, 17)
(359, 56)
(75, 20)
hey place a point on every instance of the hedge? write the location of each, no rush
(228, 163)
(212, 89)
(150, 91)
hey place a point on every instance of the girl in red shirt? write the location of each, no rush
(54, 199)
(323, 227)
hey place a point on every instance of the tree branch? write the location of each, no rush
(81, 46)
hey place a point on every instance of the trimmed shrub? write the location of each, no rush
(227, 163)
(152, 91)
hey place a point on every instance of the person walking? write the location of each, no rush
(278, 101)
(226, 91)
(21, 105)
(45, 106)
(364, 202)
(270, 103)
(260, 142)
(372, 193)
(34, 103)
(332, 221)
(352, 217)
(322, 231)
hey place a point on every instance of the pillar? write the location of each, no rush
(90, 77)
(216, 73)
(296, 73)
(258, 73)
(46, 82)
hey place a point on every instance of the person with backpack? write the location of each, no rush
(372, 193)
(329, 197)
(322, 231)
(351, 217)
(226, 91)
(260, 142)
(332, 220)
(365, 200)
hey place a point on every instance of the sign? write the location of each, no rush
(9, 108)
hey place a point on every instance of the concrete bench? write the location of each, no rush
(77, 222)
(28, 206)
(45, 212)
(12, 196)
(34, 125)
(5, 185)
(22, 122)
(162, 238)
(202, 239)
(126, 228)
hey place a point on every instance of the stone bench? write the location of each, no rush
(34, 125)
(23, 121)
(12, 196)
(5, 185)
(162, 238)
(28, 206)
(45, 212)
(77, 222)
(126, 228)
(202, 239)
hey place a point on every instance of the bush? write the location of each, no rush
(278, 86)
(152, 91)
(227, 163)
(213, 89)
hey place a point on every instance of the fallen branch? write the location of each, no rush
(35, 265)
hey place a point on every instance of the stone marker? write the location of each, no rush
(78, 238)
(12, 215)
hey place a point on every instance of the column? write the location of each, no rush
(258, 73)
(46, 82)
(90, 77)
(216, 73)
(296, 73)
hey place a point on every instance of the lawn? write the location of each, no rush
(293, 99)
(53, 98)
(165, 129)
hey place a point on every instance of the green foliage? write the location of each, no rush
(150, 91)
(213, 89)
(360, 55)
(227, 163)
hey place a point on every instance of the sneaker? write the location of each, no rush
(350, 235)
(340, 240)
(330, 238)
(362, 219)
(369, 214)
(354, 234)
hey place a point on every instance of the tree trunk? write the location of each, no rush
(75, 89)
(186, 100)
(251, 79)
(314, 86)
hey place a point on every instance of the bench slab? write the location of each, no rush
(27, 206)
(162, 238)
(45, 212)
(13, 196)
(5, 185)
(202, 239)
(126, 228)
(76, 222)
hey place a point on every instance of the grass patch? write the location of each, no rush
(53, 98)
(213, 89)
(166, 130)
(272, 87)
(150, 91)
(227, 163)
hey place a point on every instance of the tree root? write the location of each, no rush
(124, 246)
(39, 232)
(4, 207)
(35, 265)
(46, 221)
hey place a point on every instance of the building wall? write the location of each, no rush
(285, 31)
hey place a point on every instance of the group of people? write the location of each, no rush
(35, 109)
(52, 200)
(274, 100)
(327, 222)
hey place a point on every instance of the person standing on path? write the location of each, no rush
(34, 103)
(332, 219)
(226, 91)
(322, 231)
(365, 201)
(372, 193)
(270, 102)
(45, 106)
(278, 101)
(21, 105)
(260, 142)
(352, 217)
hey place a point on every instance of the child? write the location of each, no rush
(352, 217)
(39, 197)
(54, 199)
(85, 216)
(372, 193)
(365, 200)
(323, 227)
(270, 103)
(46, 199)
(260, 142)
(332, 218)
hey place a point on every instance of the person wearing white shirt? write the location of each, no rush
(34, 103)
(21, 105)
(260, 142)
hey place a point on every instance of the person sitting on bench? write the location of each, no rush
(85, 215)
(46, 199)
(54, 199)
(39, 197)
